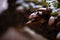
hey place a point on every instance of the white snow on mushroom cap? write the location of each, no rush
(34, 13)
(52, 17)
(20, 8)
(3, 5)
(40, 12)
(42, 8)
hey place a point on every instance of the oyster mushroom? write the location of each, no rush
(33, 15)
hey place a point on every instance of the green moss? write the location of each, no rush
(54, 14)
(55, 4)
(44, 3)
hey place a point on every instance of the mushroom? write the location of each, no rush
(51, 20)
(33, 15)
(58, 36)
(3, 5)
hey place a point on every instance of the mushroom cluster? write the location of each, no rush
(43, 16)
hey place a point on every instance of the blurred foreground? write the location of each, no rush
(29, 20)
